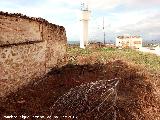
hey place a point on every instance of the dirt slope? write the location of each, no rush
(136, 99)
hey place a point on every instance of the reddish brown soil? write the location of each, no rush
(136, 100)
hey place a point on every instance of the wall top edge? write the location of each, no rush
(39, 19)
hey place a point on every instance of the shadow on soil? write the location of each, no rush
(135, 95)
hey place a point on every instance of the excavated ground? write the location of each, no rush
(136, 99)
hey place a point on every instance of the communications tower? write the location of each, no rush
(84, 18)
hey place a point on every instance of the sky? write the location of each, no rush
(134, 17)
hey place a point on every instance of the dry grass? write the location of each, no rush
(149, 61)
(148, 64)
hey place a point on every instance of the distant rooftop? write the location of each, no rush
(124, 36)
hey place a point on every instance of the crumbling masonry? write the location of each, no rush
(29, 48)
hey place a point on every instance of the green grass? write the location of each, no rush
(150, 61)
(77, 50)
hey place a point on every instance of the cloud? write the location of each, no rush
(121, 16)
(148, 28)
(61, 12)
(144, 23)
(130, 4)
(103, 4)
(57, 11)
(141, 2)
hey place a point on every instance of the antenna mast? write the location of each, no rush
(104, 34)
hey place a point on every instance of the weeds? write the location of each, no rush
(150, 61)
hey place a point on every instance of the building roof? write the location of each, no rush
(122, 37)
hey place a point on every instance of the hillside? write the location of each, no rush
(138, 90)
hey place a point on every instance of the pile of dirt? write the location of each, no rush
(135, 101)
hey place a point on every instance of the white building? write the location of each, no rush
(134, 42)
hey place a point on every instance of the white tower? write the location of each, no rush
(85, 13)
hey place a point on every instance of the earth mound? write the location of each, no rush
(135, 98)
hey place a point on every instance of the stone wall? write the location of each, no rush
(29, 47)
(16, 30)
(55, 53)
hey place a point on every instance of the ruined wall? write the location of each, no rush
(29, 47)
(19, 64)
(55, 51)
(15, 30)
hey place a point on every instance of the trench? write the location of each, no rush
(135, 95)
